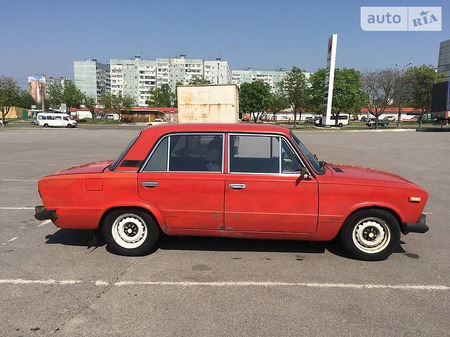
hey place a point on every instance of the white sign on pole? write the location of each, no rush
(329, 80)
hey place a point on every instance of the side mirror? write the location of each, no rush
(304, 173)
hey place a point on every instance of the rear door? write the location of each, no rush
(185, 181)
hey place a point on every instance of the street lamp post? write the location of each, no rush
(401, 92)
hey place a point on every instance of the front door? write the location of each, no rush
(263, 190)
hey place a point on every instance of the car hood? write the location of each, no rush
(361, 174)
(95, 167)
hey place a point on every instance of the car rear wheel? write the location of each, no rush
(370, 235)
(130, 232)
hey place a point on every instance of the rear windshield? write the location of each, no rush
(113, 166)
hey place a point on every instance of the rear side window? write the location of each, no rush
(188, 153)
(158, 160)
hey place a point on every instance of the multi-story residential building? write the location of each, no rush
(444, 59)
(92, 78)
(134, 78)
(217, 71)
(271, 77)
(137, 77)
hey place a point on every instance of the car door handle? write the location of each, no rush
(237, 186)
(149, 184)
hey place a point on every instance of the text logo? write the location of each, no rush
(401, 18)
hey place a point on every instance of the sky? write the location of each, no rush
(48, 36)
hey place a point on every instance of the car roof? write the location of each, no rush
(218, 127)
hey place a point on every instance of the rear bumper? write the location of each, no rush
(40, 213)
(416, 227)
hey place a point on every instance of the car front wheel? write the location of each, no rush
(370, 235)
(130, 232)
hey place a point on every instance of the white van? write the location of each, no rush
(342, 120)
(55, 119)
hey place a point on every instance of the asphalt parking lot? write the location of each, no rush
(52, 284)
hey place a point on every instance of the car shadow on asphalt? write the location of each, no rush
(238, 244)
(73, 237)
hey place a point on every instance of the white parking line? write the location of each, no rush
(17, 180)
(101, 283)
(45, 222)
(16, 208)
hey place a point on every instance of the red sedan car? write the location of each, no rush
(231, 180)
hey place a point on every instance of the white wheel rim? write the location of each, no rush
(129, 231)
(371, 235)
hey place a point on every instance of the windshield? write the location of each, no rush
(312, 159)
(113, 166)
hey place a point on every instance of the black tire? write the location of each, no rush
(370, 235)
(130, 232)
(45, 125)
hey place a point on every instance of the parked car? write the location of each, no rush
(380, 123)
(391, 118)
(231, 180)
(364, 119)
(313, 119)
(34, 121)
(410, 119)
(157, 121)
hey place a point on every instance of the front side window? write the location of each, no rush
(290, 163)
(254, 154)
(312, 159)
(188, 153)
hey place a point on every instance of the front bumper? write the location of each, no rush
(40, 213)
(416, 227)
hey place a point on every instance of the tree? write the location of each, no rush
(26, 100)
(419, 87)
(316, 91)
(255, 98)
(10, 95)
(161, 97)
(67, 93)
(119, 102)
(89, 102)
(199, 80)
(278, 100)
(295, 86)
(348, 91)
(380, 90)
(116, 102)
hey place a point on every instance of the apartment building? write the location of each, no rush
(136, 77)
(271, 77)
(92, 77)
